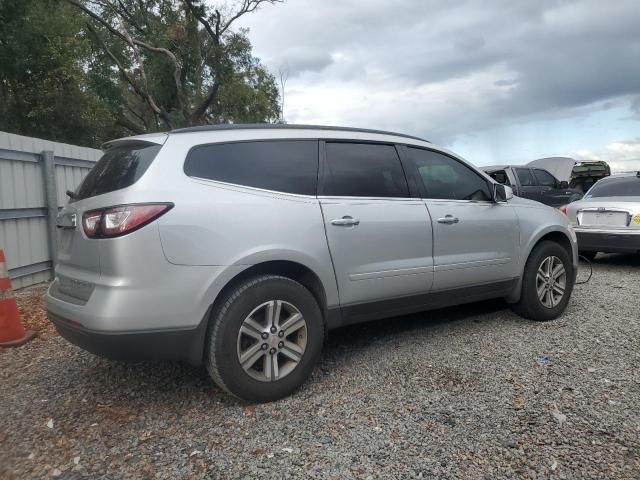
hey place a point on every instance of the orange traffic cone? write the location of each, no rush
(12, 332)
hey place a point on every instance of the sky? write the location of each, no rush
(496, 81)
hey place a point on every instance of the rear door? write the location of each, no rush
(379, 237)
(527, 188)
(475, 240)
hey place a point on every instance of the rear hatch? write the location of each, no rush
(586, 173)
(122, 165)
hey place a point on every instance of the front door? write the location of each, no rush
(380, 239)
(475, 240)
(550, 193)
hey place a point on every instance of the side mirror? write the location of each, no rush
(563, 185)
(502, 193)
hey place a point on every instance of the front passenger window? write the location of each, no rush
(446, 178)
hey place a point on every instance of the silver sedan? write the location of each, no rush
(607, 219)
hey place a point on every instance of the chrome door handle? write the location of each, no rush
(448, 220)
(345, 221)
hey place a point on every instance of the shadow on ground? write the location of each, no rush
(110, 381)
(618, 259)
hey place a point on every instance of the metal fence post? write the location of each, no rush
(51, 190)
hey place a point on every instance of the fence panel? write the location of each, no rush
(27, 234)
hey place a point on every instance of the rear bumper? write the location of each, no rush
(183, 344)
(608, 242)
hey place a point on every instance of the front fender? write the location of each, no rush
(532, 232)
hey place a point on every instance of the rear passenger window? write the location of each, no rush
(282, 165)
(363, 170)
(544, 178)
(525, 177)
(446, 178)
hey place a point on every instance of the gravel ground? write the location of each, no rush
(469, 392)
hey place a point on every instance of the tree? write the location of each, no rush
(44, 90)
(179, 63)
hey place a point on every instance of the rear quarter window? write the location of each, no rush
(289, 166)
(119, 167)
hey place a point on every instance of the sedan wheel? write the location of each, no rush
(551, 281)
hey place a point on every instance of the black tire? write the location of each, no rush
(589, 255)
(530, 306)
(223, 361)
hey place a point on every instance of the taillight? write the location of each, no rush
(116, 221)
(563, 209)
(91, 222)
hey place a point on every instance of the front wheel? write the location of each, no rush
(265, 337)
(547, 283)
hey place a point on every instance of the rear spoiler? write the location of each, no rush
(157, 138)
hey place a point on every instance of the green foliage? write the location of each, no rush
(84, 71)
(44, 90)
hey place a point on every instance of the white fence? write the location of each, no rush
(34, 177)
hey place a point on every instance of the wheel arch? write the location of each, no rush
(287, 268)
(550, 234)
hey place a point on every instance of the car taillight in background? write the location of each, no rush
(117, 221)
(563, 209)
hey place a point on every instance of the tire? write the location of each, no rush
(251, 305)
(530, 305)
(589, 255)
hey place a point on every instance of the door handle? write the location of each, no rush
(345, 221)
(448, 220)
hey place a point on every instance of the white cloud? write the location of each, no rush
(622, 156)
(445, 70)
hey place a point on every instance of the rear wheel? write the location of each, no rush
(547, 283)
(265, 338)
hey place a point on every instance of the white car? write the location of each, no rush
(607, 219)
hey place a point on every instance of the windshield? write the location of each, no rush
(119, 167)
(616, 187)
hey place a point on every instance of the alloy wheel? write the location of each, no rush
(551, 281)
(272, 341)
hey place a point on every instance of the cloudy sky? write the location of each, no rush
(497, 81)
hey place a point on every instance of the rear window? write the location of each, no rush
(544, 178)
(619, 187)
(119, 167)
(289, 166)
(525, 177)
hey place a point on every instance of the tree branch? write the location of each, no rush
(133, 42)
(130, 125)
(248, 6)
(123, 71)
(200, 110)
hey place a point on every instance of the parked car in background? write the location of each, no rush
(239, 247)
(581, 175)
(607, 219)
(534, 183)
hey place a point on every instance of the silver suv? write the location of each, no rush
(239, 247)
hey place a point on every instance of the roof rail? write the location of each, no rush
(284, 126)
